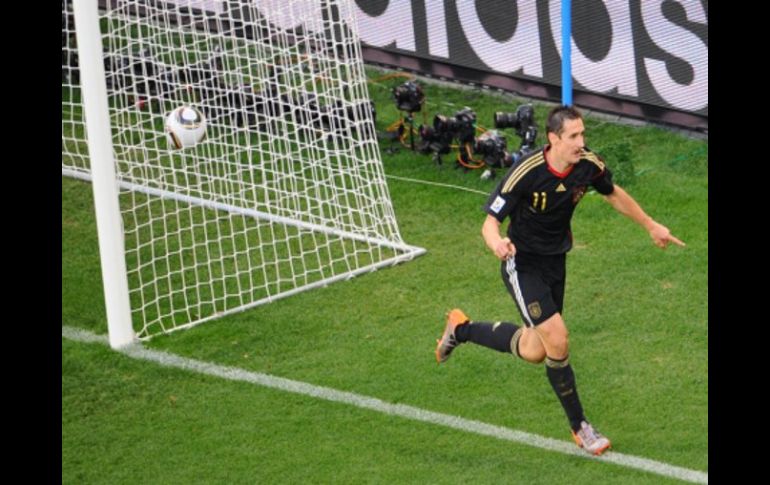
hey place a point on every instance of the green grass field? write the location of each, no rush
(638, 318)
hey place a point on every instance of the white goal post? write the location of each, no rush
(285, 192)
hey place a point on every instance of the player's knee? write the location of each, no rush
(527, 345)
(535, 357)
(555, 335)
(558, 345)
(560, 348)
(563, 341)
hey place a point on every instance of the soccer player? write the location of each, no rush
(539, 195)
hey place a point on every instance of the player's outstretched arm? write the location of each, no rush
(626, 205)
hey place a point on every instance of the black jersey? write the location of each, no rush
(540, 201)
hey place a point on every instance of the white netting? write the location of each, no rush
(287, 190)
(74, 149)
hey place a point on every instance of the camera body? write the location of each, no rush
(519, 121)
(434, 141)
(461, 126)
(409, 97)
(492, 147)
(438, 138)
(336, 116)
(522, 121)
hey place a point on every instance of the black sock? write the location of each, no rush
(493, 335)
(562, 380)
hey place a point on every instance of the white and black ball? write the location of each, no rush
(185, 127)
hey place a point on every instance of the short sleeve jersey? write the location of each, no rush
(539, 201)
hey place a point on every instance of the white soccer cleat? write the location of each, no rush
(590, 440)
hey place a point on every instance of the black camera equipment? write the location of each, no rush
(520, 120)
(335, 117)
(243, 105)
(208, 71)
(438, 138)
(409, 97)
(492, 147)
(461, 126)
(150, 80)
(523, 121)
(239, 105)
(433, 141)
(301, 110)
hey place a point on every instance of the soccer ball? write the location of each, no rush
(185, 127)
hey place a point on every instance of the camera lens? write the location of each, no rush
(505, 120)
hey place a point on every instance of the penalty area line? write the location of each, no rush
(137, 351)
(436, 184)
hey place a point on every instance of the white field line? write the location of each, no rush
(136, 351)
(437, 184)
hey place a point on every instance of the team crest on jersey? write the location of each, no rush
(497, 204)
(534, 309)
(578, 193)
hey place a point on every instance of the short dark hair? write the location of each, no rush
(558, 115)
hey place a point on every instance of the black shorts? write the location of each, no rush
(536, 284)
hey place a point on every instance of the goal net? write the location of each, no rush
(286, 192)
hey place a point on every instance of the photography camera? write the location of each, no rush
(409, 97)
(438, 138)
(313, 119)
(461, 126)
(492, 147)
(523, 121)
(150, 80)
(337, 115)
(434, 141)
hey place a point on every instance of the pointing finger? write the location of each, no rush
(676, 241)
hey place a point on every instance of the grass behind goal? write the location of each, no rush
(637, 315)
